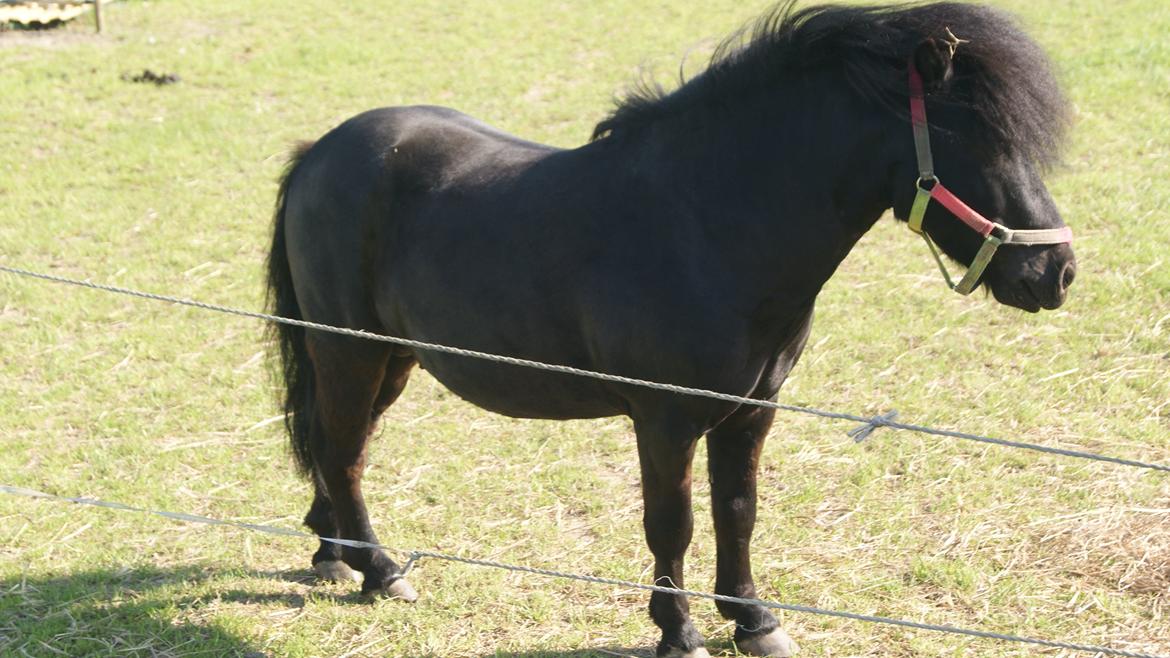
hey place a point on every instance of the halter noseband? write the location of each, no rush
(929, 187)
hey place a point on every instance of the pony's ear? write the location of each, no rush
(933, 59)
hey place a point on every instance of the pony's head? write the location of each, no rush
(988, 119)
(996, 121)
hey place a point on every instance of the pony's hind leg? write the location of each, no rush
(354, 383)
(327, 562)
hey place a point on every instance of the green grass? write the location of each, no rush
(170, 189)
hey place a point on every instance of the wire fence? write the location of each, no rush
(413, 557)
(868, 423)
(860, 433)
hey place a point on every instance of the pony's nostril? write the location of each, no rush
(1067, 275)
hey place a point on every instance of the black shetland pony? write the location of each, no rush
(686, 243)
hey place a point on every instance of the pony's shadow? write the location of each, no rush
(122, 610)
(132, 610)
(597, 652)
(604, 652)
(717, 648)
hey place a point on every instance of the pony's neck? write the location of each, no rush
(787, 181)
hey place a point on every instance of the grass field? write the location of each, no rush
(170, 189)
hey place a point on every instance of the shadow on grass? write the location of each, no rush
(149, 611)
(116, 612)
(716, 647)
(605, 652)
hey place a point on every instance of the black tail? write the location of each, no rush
(296, 368)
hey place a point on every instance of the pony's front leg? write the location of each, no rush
(665, 459)
(733, 450)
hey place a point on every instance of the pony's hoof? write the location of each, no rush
(399, 588)
(402, 589)
(336, 571)
(675, 652)
(776, 644)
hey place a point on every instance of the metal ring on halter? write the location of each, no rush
(923, 181)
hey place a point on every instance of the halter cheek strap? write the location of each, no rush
(929, 187)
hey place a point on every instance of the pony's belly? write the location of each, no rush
(523, 392)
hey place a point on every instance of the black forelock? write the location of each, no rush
(1000, 73)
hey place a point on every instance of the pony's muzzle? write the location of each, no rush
(1051, 290)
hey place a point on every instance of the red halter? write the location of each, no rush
(929, 187)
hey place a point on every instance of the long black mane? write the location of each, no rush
(1000, 73)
